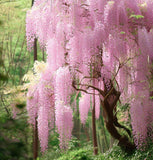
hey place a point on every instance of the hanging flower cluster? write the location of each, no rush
(40, 102)
(63, 111)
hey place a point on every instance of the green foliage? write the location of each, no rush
(13, 13)
(79, 150)
(15, 134)
(17, 60)
(117, 153)
(54, 151)
(21, 105)
(54, 141)
(74, 143)
(2, 76)
(136, 16)
(15, 141)
(1, 22)
(122, 32)
(84, 153)
(13, 138)
(124, 107)
(123, 114)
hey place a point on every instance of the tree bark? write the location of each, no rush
(35, 140)
(110, 118)
(35, 128)
(32, 3)
(35, 49)
(94, 127)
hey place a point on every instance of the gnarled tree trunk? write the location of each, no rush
(111, 97)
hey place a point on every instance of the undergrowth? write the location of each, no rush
(86, 153)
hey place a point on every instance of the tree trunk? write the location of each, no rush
(43, 54)
(35, 49)
(94, 127)
(111, 121)
(35, 128)
(35, 140)
(32, 2)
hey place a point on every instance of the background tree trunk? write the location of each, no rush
(94, 125)
(35, 128)
(35, 49)
(35, 140)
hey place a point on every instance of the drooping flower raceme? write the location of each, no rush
(46, 109)
(63, 111)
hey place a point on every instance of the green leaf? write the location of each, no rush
(122, 32)
(136, 16)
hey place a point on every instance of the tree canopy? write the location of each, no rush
(103, 49)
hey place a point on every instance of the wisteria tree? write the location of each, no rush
(103, 49)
